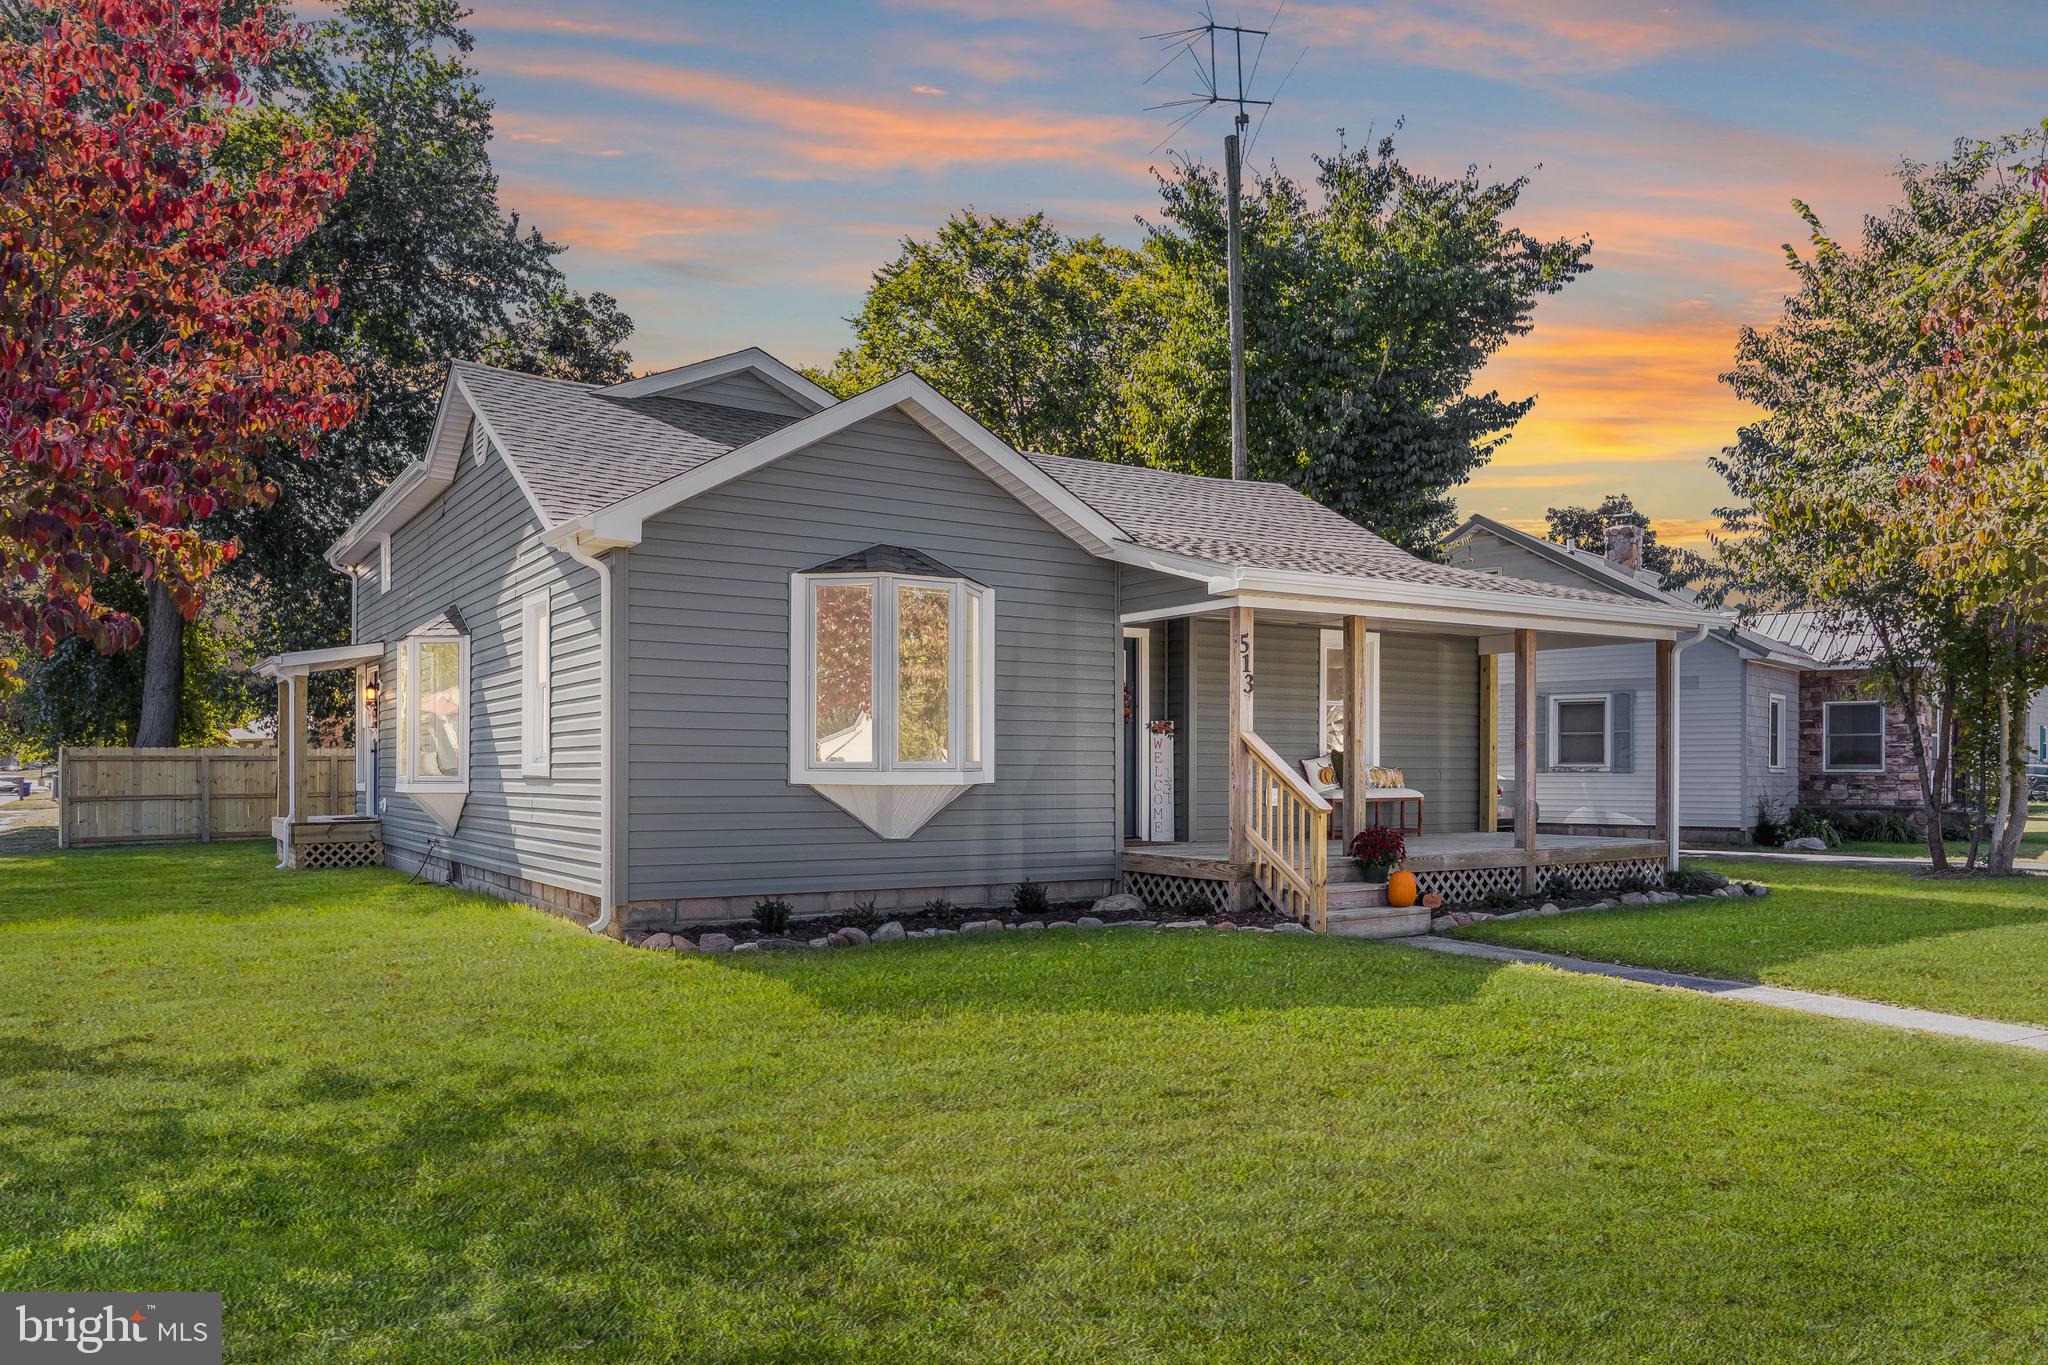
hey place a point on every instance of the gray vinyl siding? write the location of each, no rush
(1429, 724)
(710, 806)
(1144, 590)
(743, 390)
(475, 549)
(1781, 788)
(1429, 716)
(1711, 743)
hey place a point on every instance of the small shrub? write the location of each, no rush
(1193, 905)
(866, 915)
(1693, 881)
(1770, 822)
(1635, 881)
(1559, 885)
(1808, 823)
(1499, 899)
(771, 916)
(1888, 828)
(939, 905)
(1030, 899)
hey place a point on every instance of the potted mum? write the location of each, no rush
(1379, 849)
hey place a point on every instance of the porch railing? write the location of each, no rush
(1289, 834)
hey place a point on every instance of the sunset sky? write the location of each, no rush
(734, 172)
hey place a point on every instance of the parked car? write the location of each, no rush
(2037, 781)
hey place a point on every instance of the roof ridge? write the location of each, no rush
(585, 385)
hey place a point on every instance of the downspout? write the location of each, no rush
(603, 922)
(1677, 704)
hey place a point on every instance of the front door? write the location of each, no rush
(1132, 737)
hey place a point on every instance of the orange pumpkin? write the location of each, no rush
(1401, 889)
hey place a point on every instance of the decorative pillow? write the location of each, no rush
(1385, 777)
(1320, 771)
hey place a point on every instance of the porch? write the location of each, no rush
(1261, 692)
(306, 834)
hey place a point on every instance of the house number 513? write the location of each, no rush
(1244, 660)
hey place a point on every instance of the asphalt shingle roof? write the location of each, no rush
(1265, 526)
(580, 449)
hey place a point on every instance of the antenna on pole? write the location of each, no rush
(1218, 51)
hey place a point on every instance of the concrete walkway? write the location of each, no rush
(1806, 1002)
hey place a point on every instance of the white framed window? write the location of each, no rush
(384, 565)
(536, 684)
(433, 713)
(1778, 738)
(1330, 700)
(1581, 736)
(890, 680)
(1852, 736)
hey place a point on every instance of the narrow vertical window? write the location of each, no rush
(536, 685)
(924, 665)
(843, 674)
(971, 697)
(1777, 733)
(384, 564)
(404, 712)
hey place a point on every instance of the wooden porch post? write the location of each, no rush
(1356, 756)
(287, 725)
(1489, 744)
(1667, 658)
(1525, 755)
(1239, 647)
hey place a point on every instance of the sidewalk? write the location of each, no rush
(1806, 1002)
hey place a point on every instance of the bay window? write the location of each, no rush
(889, 678)
(433, 719)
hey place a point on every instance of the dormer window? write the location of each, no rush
(890, 684)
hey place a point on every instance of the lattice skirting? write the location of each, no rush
(1471, 885)
(1165, 894)
(369, 853)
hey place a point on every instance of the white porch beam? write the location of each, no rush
(1525, 755)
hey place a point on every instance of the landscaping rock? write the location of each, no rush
(1549, 907)
(1807, 845)
(1185, 924)
(1713, 879)
(1634, 898)
(977, 926)
(846, 938)
(1292, 929)
(1061, 924)
(942, 933)
(819, 943)
(1030, 924)
(1136, 924)
(1442, 924)
(714, 943)
(1090, 922)
(658, 941)
(776, 944)
(1225, 926)
(1759, 889)
(889, 933)
(746, 947)
(1122, 903)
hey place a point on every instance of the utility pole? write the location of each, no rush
(1190, 42)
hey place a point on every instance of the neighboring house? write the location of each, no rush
(646, 653)
(1741, 698)
(1855, 748)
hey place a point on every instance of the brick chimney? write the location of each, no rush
(1625, 545)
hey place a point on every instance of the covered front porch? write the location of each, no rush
(1261, 690)
(306, 835)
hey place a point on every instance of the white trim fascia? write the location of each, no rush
(1141, 718)
(1207, 606)
(1374, 594)
(302, 662)
(1484, 622)
(621, 523)
(607, 759)
(784, 377)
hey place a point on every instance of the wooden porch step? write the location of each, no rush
(1356, 895)
(1377, 921)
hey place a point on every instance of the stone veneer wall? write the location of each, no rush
(1897, 786)
(668, 914)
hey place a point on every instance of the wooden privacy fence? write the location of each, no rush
(184, 796)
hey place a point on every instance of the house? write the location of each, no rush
(646, 653)
(1856, 754)
(1739, 697)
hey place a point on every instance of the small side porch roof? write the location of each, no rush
(301, 662)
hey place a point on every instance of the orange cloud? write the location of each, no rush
(831, 133)
(623, 225)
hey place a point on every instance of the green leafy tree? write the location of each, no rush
(1017, 323)
(1371, 306)
(1817, 479)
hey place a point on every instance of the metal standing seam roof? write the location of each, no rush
(1820, 636)
(580, 450)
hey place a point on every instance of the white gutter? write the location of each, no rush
(1676, 703)
(575, 551)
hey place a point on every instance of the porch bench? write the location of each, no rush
(1373, 799)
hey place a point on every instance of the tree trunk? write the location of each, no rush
(2012, 789)
(1944, 759)
(163, 671)
(1907, 681)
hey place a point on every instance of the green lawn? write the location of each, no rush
(399, 1123)
(1966, 946)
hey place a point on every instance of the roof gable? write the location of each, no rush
(753, 362)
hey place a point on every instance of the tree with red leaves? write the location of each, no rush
(147, 350)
